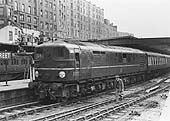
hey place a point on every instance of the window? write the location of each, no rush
(59, 12)
(10, 36)
(46, 26)
(77, 57)
(51, 5)
(39, 54)
(46, 14)
(42, 25)
(35, 20)
(29, 9)
(51, 26)
(1, 11)
(16, 31)
(34, 11)
(59, 52)
(41, 13)
(15, 6)
(71, 13)
(54, 7)
(19, 34)
(54, 17)
(21, 17)
(15, 19)
(72, 23)
(29, 19)
(9, 12)
(23, 8)
(55, 27)
(51, 15)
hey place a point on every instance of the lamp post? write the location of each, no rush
(6, 63)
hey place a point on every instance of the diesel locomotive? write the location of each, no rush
(69, 69)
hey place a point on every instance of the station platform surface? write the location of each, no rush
(165, 115)
(13, 85)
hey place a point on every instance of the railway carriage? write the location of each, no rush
(157, 63)
(66, 70)
(13, 66)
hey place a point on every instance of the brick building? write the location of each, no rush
(79, 19)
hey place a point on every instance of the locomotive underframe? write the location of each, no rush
(58, 90)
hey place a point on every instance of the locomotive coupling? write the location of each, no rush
(31, 85)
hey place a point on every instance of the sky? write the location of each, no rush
(143, 18)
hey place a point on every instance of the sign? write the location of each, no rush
(5, 55)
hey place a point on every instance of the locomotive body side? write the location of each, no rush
(82, 68)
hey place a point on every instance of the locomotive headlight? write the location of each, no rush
(62, 74)
(36, 73)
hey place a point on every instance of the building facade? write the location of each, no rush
(53, 19)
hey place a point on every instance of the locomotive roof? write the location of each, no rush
(57, 43)
(91, 46)
(101, 47)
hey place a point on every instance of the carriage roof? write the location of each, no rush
(157, 54)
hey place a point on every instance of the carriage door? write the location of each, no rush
(77, 63)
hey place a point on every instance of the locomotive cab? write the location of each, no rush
(56, 66)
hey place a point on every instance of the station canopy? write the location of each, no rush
(160, 44)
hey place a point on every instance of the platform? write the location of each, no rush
(165, 115)
(16, 92)
(13, 85)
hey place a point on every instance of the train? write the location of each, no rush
(67, 69)
(14, 66)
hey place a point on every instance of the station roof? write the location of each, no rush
(159, 44)
(14, 47)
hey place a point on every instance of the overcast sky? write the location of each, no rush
(143, 18)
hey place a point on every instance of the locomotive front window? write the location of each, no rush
(59, 52)
(38, 54)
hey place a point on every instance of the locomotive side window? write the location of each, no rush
(77, 57)
(124, 58)
(129, 58)
(119, 57)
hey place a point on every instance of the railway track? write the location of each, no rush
(104, 112)
(36, 108)
(101, 110)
